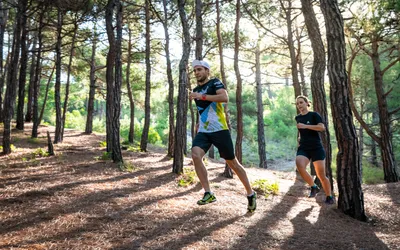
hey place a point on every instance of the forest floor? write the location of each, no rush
(75, 200)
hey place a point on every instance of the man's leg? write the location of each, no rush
(241, 173)
(201, 171)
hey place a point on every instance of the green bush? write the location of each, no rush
(75, 120)
(153, 137)
(371, 174)
(266, 188)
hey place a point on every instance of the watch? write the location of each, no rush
(203, 97)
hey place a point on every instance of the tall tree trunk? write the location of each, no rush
(300, 63)
(46, 95)
(146, 126)
(199, 55)
(351, 197)
(22, 74)
(374, 153)
(114, 66)
(3, 24)
(171, 114)
(292, 50)
(227, 171)
(57, 92)
(317, 79)
(36, 82)
(260, 112)
(69, 76)
(199, 30)
(384, 140)
(29, 107)
(109, 16)
(116, 148)
(181, 120)
(11, 90)
(239, 137)
(131, 136)
(92, 78)
(386, 144)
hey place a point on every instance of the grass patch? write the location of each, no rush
(265, 188)
(372, 175)
(127, 167)
(12, 147)
(187, 178)
(40, 152)
(34, 140)
(104, 157)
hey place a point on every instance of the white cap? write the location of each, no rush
(200, 63)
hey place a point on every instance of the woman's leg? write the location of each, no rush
(301, 164)
(320, 170)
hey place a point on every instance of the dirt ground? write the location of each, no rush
(74, 200)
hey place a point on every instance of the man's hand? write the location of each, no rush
(194, 95)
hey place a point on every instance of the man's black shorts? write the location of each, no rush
(315, 154)
(220, 139)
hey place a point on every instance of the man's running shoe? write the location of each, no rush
(329, 200)
(313, 191)
(207, 198)
(251, 207)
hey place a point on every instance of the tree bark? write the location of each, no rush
(181, 120)
(36, 82)
(3, 24)
(29, 111)
(171, 113)
(116, 148)
(290, 42)
(11, 90)
(92, 79)
(22, 74)
(260, 112)
(228, 173)
(317, 80)
(300, 63)
(199, 30)
(385, 138)
(71, 53)
(57, 92)
(386, 145)
(46, 95)
(351, 197)
(239, 128)
(131, 136)
(50, 147)
(111, 55)
(147, 108)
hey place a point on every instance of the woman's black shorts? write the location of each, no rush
(220, 139)
(314, 154)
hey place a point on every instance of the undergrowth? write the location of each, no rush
(265, 188)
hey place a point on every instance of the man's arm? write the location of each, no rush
(221, 96)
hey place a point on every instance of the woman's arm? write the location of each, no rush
(319, 127)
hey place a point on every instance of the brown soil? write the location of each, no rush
(73, 200)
